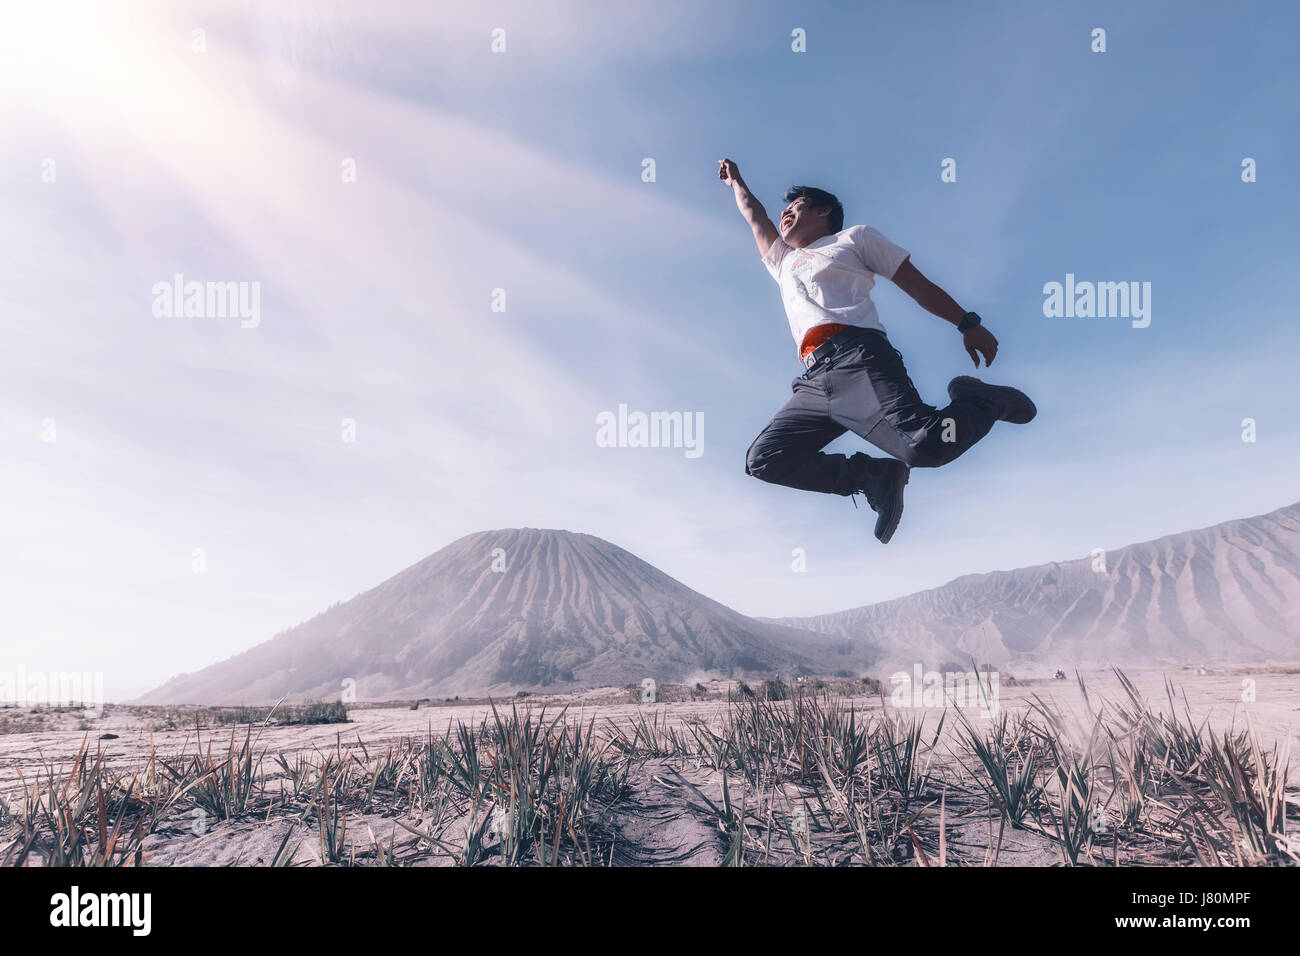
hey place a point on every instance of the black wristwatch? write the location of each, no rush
(969, 320)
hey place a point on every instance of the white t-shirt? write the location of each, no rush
(831, 279)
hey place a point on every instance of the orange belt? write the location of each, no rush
(817, 335)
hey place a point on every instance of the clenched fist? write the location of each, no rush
(728, 172)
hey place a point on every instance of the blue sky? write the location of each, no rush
(522, 171)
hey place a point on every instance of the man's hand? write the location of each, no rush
(728, 172)
(978, 339)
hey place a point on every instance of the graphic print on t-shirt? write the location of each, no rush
(796, 267)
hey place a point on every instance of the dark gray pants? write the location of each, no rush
(862, 388)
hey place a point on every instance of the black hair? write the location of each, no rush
(819, 198)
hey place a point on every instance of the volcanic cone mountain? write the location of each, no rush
(512, 609)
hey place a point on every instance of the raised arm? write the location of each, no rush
(764, 231)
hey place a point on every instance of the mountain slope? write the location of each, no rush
(1229, 593)
(566, 609)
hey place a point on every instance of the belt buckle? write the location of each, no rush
(823, 351)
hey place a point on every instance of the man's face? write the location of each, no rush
(801, 224)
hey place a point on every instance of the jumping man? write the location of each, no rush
(854, 379)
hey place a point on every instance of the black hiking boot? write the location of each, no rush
(884, 491)
(1012, 404)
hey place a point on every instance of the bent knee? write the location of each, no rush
(757, 458)
(763, 463)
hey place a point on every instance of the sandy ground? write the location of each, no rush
(665, 821)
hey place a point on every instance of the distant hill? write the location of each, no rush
(1228, 593)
